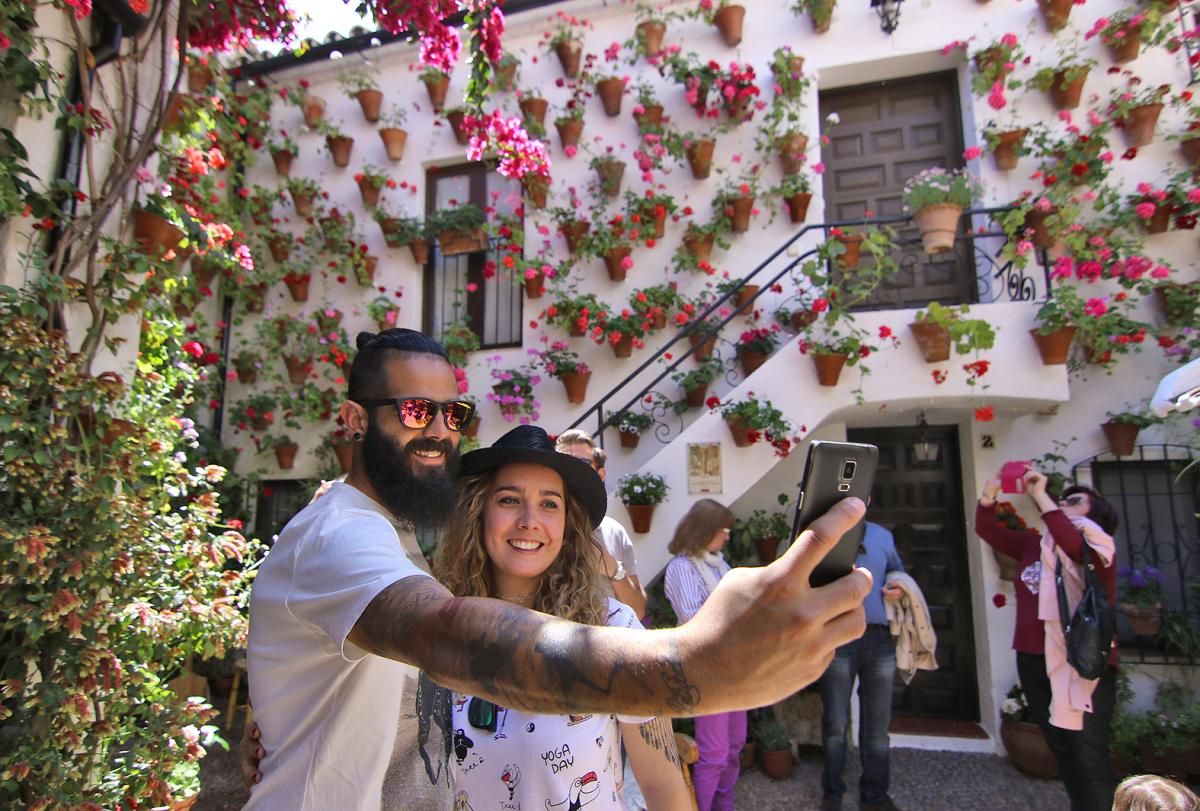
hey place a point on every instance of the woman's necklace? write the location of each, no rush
(521, 599)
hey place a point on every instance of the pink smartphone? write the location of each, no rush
(1012, 477)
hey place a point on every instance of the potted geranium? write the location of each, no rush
(795, 191)
(993, 64)
(753, 420)
(392, 131)
(459, 229)
(695, 382)
(755, 345)
(404, 229)
(788, 69)
(650, 211)
(504, 71)
(612, 241)
(512, 391)
(1122, 427)
(648, 111)
(437, 82)
(285, 449)
(1140, 598)
(371, 181)
(1006, 144)
(820, 11)
(384, 311)
(937, 197)
(560, 361)
(641, 493)
(337, 142)
(1064, 80)
(283, 149)
(609, 170)
(303, 191)
(576, 313)
(623, 332)
(656, 303)
(360, 83)
(567, 44)
(1125, 31)
(630, 425)
(937, 328)
(1136, 108)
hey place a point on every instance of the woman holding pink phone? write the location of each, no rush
(1075, 714)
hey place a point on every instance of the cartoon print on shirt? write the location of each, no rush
(511, 778)
(530, 727)
(433, 706)
(1031, 576)
(462, 802)
(583, 790)
(572, 720)
(462, 745)
(559, 758)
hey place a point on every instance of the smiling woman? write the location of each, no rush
(523, 533)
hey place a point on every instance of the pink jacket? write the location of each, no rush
(1071, 694)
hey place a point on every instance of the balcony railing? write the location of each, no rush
(996, 279)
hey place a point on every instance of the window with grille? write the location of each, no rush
(473, 287)
(278, 502)
(1155, 493)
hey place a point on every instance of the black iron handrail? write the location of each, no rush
(701, 324)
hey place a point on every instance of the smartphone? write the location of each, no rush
(833, 471)
(1012, 477)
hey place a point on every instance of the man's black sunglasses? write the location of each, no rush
(418, 412)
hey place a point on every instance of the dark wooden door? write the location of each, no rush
(921, 503)
(887, 133)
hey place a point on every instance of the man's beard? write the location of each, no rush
(420, 495)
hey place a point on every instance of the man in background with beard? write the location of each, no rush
(343, 610)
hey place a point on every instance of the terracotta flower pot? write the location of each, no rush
(369, 192)
(699, 157)
(624, 347)
(437, 87)
(650, 37)
(394, 139)
(302, 202)
(297, 368)
(456, 124)
(506, 77)
(314, 110)
(739, 432)
(728, 21)
(1027, 749)
(1009, 566)
(420, 250)
(748, 755)
(700, 247)
(1191, 150)
(853, 244)
(792, 148)
(283, 161)
(695, 396)
(1139, 124)
(824, 11)
(570, 130)
(576, 385)
(339, 148)
(650, 116)
(610, 92)
(246, 374)
(1127, 48)
(569, 53)
(285, 456)
(934, 341)
(742, 208)
(614, 261)
(205, 271)
(800, 319)
(767, 548)
(199, 77)
(829, 367)
(574, 232)
(1160, 221)
(1005, 154)
(1035, 220)
(745, 294)
(611, 171)
(298, 290)
(629, 439)
(640, 516)
(1065, 95)
(1144, 620)
(1121, 436)
(797, 206)
(776, 764)
(751, 360)
(371, 101)
(1055, 346)
(155, 234)
(536, 188)
(703, 343)
(1056, 13)
(535, 286)
(369, 266)
(938, 225)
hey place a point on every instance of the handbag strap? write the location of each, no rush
(1064, 612)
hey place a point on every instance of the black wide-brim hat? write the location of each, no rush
(528, 443)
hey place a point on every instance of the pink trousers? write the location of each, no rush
(719, 738)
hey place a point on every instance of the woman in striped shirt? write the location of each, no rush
(691, 576)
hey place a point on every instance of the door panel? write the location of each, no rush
(887, 133)
(921, 503)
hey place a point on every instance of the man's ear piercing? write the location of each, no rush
(357, 436)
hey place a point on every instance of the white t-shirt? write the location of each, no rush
(338, 723)
(541, 762)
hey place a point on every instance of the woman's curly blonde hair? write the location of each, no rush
(570, 589)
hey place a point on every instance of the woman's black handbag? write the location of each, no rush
(1089, 631)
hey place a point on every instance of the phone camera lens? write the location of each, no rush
(848, 468)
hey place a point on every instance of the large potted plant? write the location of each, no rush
(774, 748)
(641, 493)
(1023, 739)
(1140, 598)
(766, 528)
(937, 197)
(937, 328)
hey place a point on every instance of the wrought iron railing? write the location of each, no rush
(996, 278)
(1155, 492)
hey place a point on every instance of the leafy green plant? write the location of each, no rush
(936, 186)
(966, 334)
(770, 734)
(765, 524)
(1143, 418)
(756, 415)
(630, 422)
(463, 218)
(512, 390)
(460, 341)
(559, 360)
(642, 488)
(357, 79)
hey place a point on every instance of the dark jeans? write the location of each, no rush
(1083, 758)
(872, 660)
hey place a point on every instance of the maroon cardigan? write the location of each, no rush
(1029, 636)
